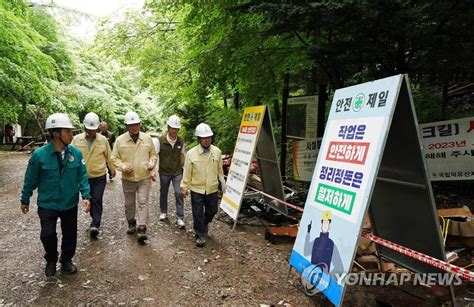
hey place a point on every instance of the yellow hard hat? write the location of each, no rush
(327, 215)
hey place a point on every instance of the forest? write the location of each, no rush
(207, 60)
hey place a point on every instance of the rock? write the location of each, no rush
(221, 294)
(148, 299)
(142, 277)
(193, 276)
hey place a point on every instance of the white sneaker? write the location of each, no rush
(162, 217)
(180, 223)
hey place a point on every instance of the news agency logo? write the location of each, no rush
(315, 279)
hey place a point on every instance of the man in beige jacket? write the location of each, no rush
(202, 175)
(135, 156)
(97, 154)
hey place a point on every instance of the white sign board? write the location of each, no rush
(342, 183)
(449, 149)
(242, 159)
(304, 158)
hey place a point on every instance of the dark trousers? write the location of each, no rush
(97, 193)
(48, 219)
(164, 188)
(204, 208)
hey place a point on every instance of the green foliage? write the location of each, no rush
(225, 124)
(24, 68)
(426, 106)
(206, 60)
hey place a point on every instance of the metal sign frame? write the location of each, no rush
(255, 138)
(269, 166)
(395, 191)
(402, 207)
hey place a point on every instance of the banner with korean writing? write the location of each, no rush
(302, 117)
(342, 183)
(448, 147)
(304, 158)
(242, 159)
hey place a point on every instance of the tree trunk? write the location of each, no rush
(444, 99)
(237, 100)
(321, 108)
(284, 107)
(276, 109)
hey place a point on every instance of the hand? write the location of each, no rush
(184, 192)
(86, 205)
(153, 176)
(309, 226)
(223, 186)
(128, 169)
(24, 208)
(150, 165)
(113, 173)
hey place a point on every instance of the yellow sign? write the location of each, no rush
(242, 159)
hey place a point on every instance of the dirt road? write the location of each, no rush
(235, 268)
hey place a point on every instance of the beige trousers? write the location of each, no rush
(136, 200)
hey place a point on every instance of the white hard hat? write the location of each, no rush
(174, 122)
(91, 121)
(58, 120)
(203, 131)
(131, 118)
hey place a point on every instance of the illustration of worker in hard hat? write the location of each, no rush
(322, 249)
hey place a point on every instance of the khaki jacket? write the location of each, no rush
(141, 156)
(201, 171)
(98, 157)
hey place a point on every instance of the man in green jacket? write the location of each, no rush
(59, 173)
(170, 149)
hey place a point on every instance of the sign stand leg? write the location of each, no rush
(453, 296)
(289, 273)
(235, 224)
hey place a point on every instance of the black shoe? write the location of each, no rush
(50, 269)
(200, 242)
(69, 267)
(94, 232)
(142, 233)
(132, 226)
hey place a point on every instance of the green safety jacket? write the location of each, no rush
(58, 180)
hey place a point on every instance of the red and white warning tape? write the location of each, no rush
(443, 265)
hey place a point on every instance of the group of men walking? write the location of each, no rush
(60, 172)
